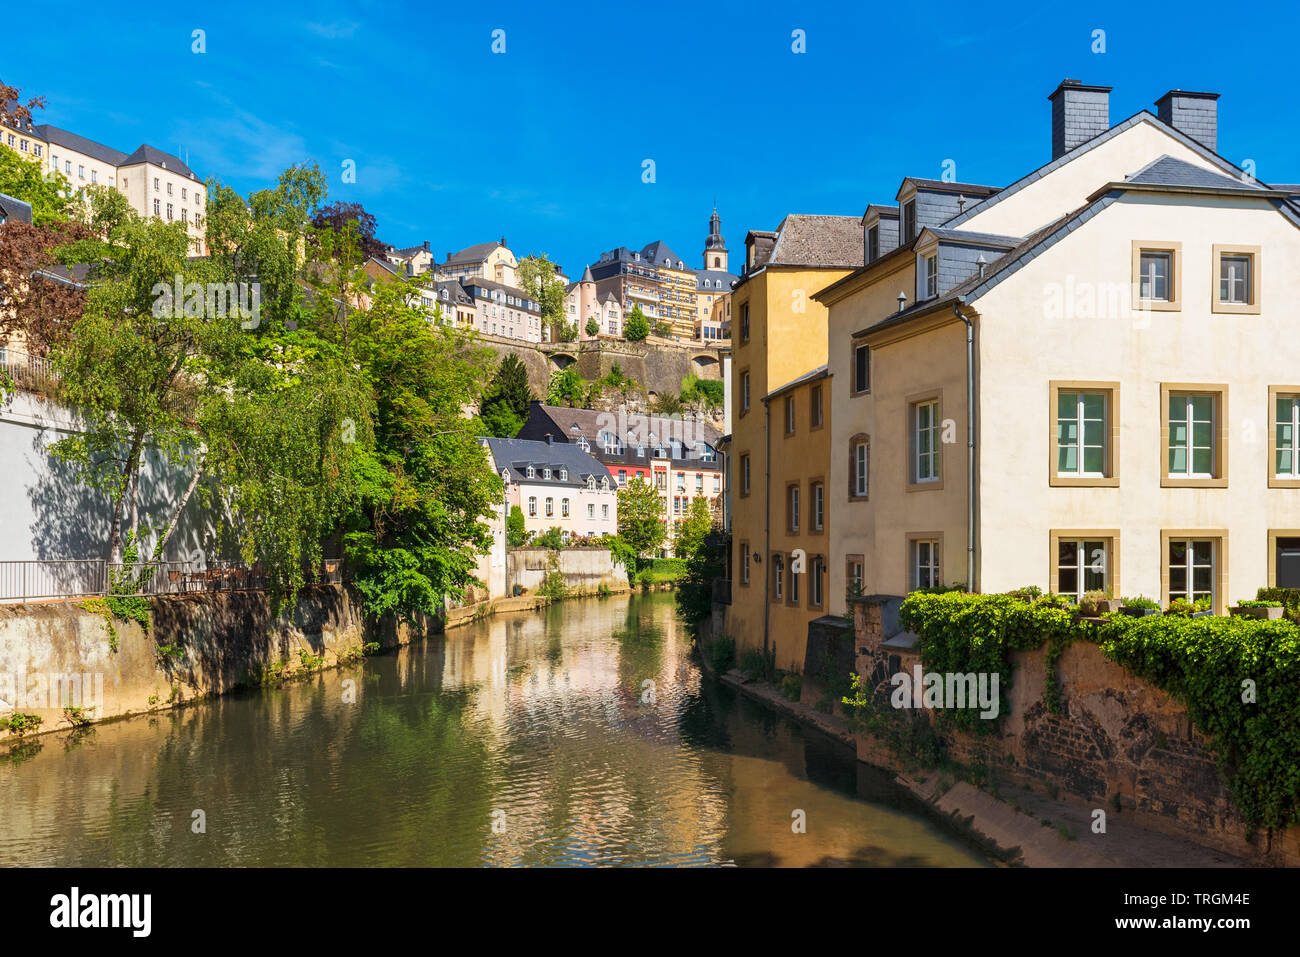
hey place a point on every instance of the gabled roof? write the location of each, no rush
(883, 212)
(940, 186)
(821, 372)
(966, 237)
(815, 240)
(472, 254)
(73, 141)
(567, 425)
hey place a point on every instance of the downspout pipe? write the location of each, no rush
(767, 522)
(970, 442)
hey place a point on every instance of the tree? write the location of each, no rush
(341, 217)
(665, 403)
(637, 326)
(706, 565)
(49, 194)
(516, 531)
(691, 529)
(662, 329)
(39, 309)
(567, 387)
(593, 327)
(706, 394)
(537, 278)
(640, 511)
(505, 405)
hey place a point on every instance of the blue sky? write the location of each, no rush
(544, 144)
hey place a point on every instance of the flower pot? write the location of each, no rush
(1108, 605)
(1271, 614)
(1134, 611)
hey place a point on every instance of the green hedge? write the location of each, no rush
(653, 571)
(1238, 677)
(1288, 597)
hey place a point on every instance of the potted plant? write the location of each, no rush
(1199, 608)
(1090, 603)
(1139, 607)
(1270, 610)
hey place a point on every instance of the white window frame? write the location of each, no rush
(1189, 567)
(1190, 423)
(1086, 561)
(1292, 422)
(930, 459)
(1080, 423)
(925, 563)
(861, 461)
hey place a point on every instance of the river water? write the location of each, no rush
(581, 735)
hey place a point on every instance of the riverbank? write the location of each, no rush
(1016, 825)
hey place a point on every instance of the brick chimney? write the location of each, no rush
(1196, 114)
(1079, 113)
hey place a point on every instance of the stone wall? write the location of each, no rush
(224, 640)
(658, 366)
(584, 569)
(1115, 735)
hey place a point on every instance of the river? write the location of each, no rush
(581, 735)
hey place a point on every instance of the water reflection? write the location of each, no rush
(583, 735)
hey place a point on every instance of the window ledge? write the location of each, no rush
(1083, 481)
(1170, 481)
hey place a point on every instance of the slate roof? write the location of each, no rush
(472, 254)
(15, 210)
(566, 425)
(715, 276)
(973, 238)
(74, 141)
(815, 240)
(941, 186)
(144, 153)
(518, 454)
(657, 251)
(1167, 171)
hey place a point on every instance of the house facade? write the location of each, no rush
(556, 485)
(1120, 318)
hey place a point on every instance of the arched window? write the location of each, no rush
(532, 472)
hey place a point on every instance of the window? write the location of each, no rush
(1084, 440)
(155, 184)
(778, 576)
(169, 189)
(532, 472)
(744, 563)
(550, 506)
(717, 483)
(564, 508)
(1191, 569)
(744, 475)
(873, 243)
(1284, 558)
(818, 492)
(169, 212)
(1156, 275)
(699, 483)
(591, 510)
(604, 511)
(815, 582)
(744, 327)
(1081, 565)
(815, 407)
(1081, 433)
(1237, 275)
(1195, 442)
(931, 276)
(793, 596)
(924, 562)
(925, 441)
(853, 583)
(157, 208)
(94, 176)
(861, 369)
(81, 172)
(789, 415)
(909, 221)
(859, 461)
(1284, 437)
(532, 505)
(622, 476)
(792, 508)
(546, 473)
(744, 392)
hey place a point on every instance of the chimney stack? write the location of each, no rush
(548, 438)
(1079, 113)
(1196, 114)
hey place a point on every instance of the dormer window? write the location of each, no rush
(591, 482)
(546, 473)
(604, 484)
(873, 243)
(564, 475)
(532, 472)
(932, 276)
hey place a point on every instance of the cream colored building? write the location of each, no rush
(492, 261)
(1135, 379)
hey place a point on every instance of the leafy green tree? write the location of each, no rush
(663, 329)
(567, 387)
(516, 531)
(665, 403)
(637, 327)
(505, 404)
(593, 327)
(693, 527)
(640, 512)
(707, 564)
(553, 537)
(537, 277)
(49, 194)
(705, 394)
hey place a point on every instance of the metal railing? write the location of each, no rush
(37, 580)
(27, 372)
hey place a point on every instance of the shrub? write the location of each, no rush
(1141, 601)
(554, 586)
(791, 687)
(20, 723)
(757, 664)
(1253, 603)
(721, 653)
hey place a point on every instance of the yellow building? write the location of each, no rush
(779, 335)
